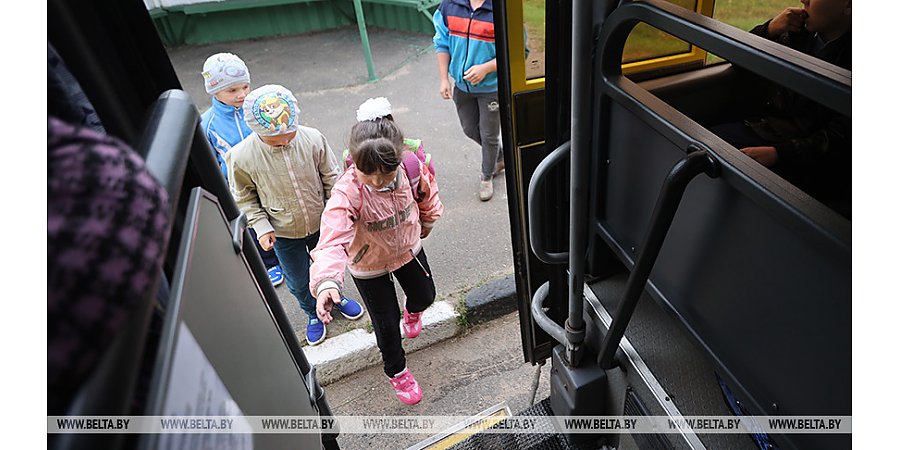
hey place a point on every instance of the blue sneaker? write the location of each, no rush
(351, 309)
(315, 331)
(275, 275)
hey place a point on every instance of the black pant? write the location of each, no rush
(381, 301)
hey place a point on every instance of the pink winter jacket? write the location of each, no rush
(375, 232)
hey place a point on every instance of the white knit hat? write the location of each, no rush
(373, 108)
(271, 110)
(222, 70)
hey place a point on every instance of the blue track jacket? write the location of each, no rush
(224, 127)
(468, 36)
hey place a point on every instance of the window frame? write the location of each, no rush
(515, 14)
(517, 61)
(690, 58)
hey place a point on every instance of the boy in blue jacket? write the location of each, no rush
(227, 80)
(464, 41)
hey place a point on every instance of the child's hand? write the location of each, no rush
(425, 232)
(267, 241)
(476, 73)
(766, 156)
(445, 89)
(325, 302)
(790, 20)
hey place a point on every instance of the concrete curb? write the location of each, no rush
(356, 350)
(491, 300)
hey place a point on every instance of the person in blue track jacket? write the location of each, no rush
(464, 41)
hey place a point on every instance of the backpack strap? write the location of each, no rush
(415, 146)
(413, 171)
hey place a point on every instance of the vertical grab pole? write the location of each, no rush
(582, 19)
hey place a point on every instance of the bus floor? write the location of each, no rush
(685, 374)
(459, 377)
(484, 367)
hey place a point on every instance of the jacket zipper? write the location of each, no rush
(427, 275)
(238, 124)
(397, 210)
(361, 253)
(295, 183)
(468, 40)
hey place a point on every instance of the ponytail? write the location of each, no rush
(375, 155)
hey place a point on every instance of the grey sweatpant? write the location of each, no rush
(479, 115)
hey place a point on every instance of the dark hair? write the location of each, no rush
(375, 145)
(375, 155)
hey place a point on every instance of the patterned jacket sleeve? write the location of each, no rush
(218, 144)
(107, 222)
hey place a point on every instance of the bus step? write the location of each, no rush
(470, 434)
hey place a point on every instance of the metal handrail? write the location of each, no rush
(808, 76)
(801, 73)
(540, 317)
(535, 212)
(682, 173)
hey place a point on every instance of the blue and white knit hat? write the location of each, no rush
(271, 110)
(222, 70)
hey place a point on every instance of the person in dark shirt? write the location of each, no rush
(803, 141)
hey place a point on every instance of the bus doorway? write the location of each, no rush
(638, 226)
(611, 165)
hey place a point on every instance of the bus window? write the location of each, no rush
(533, 12)
(650, 50)
(645, 43)
(744, 15)
(742, 108)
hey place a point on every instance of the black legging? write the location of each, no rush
(381, 301)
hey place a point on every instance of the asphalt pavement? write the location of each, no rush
(326, 71)
(459, 377)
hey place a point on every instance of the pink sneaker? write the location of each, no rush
(406, 388)
(412, 323)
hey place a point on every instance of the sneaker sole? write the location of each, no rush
(411, 403)
(405, 334)
(362, 313)
(321, 339)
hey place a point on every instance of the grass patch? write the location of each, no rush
(458, 299)
(646, 42)
(533, 13)
(462, 318)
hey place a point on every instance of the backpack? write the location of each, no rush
(413, 150)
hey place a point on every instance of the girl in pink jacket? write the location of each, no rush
(374, 226)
